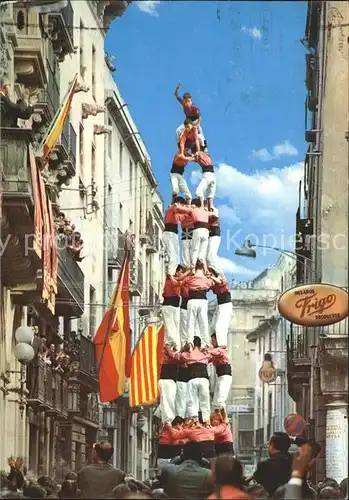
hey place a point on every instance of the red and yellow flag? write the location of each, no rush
(113, 340)
(58, 123)
(145, 369)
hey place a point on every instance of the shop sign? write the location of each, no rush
(315, 304)
(267, 373)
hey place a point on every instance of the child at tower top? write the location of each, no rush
(191, 110)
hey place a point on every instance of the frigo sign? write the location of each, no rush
(315, 304)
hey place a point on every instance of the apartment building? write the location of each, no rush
(55, 423)
(318, 356)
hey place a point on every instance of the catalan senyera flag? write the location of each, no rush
(57, 126)
(113, 340)
(145, 368)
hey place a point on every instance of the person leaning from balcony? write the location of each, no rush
(11, 112)
(188, 480)
(99, 478)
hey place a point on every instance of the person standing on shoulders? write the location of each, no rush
(99, 478)
(224, 375)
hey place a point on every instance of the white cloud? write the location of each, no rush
(253, 32)
(284, 149)
(229, 267)
(148, 7)
(262, 205)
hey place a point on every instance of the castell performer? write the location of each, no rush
(178, 183)
(224, 308)
(187, 224)
(208, 182)
(170, 308)
(168, 448)
(190, 138)
(223, 372)
(197, 316)
(182, 391)
(201, 218)
(168, 387)
(223, 441)
(191, 112)
(170, 236)
(214, 239)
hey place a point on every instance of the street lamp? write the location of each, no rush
(248, 250)
(24, 353)
(109, 417)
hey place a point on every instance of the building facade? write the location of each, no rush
(53, 419)
(318, 356)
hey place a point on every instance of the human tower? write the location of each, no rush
(191, 343)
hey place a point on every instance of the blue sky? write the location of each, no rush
(244, 66)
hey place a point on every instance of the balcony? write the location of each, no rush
(59, 408)
(40, 386)
(18, 265)
(109, 10)
(120, 253)
(83, 367)
(304, 233)
(114, 255)
(89, 408)
(29, 64)
(62, 31)
(298, 358)
(70, 297)
(136, 278)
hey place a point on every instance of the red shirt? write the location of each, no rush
(171, 215)
(221, 288)
(189, 358)
(190, 110)
(171, 288)
(198, 214)
(186, 221)
(179, 161)
(220, 356)
(203, 159)
(230, 492)
(184, 291)
(189, 135)
(201, 433)
(168, 359)
(213, 220)
(226, 436)
(198, 282)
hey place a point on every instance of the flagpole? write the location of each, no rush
(55, 117)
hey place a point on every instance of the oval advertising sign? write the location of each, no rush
(294, 424)
(314, 304)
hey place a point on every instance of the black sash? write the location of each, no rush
(171, 301)
(224, 298)
(176, 169)
(171, 228)
(169, 372)
(224, 449)
(169, 450)
(197, 370)
(200, 225)
(200, 294)
(214, 231)
(223, 369)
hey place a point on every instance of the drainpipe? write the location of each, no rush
(319, 124)
(105, 223)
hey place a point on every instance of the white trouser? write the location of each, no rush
(181, 399)
(183, 326)
(170, 316)
(222, 323)
(167, 390)
(212, 252)
(198, 321)
(221, 391)
(186, 251)
(171, 245)
(181, 128)
(162, 462)
(199, 245)
(208, 185)
(199, 398)
(179, 185)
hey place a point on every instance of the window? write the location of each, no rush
(94, 72)
(256, 320)
(81, 151)
(121, 148)
(131, 177)
(110, 139)
(93, 163)
(121, 216)
(82, 71)
(93, 310)
(270, 346)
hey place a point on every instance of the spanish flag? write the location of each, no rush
(145, 368)
(58, 123)
(113, 340)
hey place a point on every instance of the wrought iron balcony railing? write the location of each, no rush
(70, 283)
